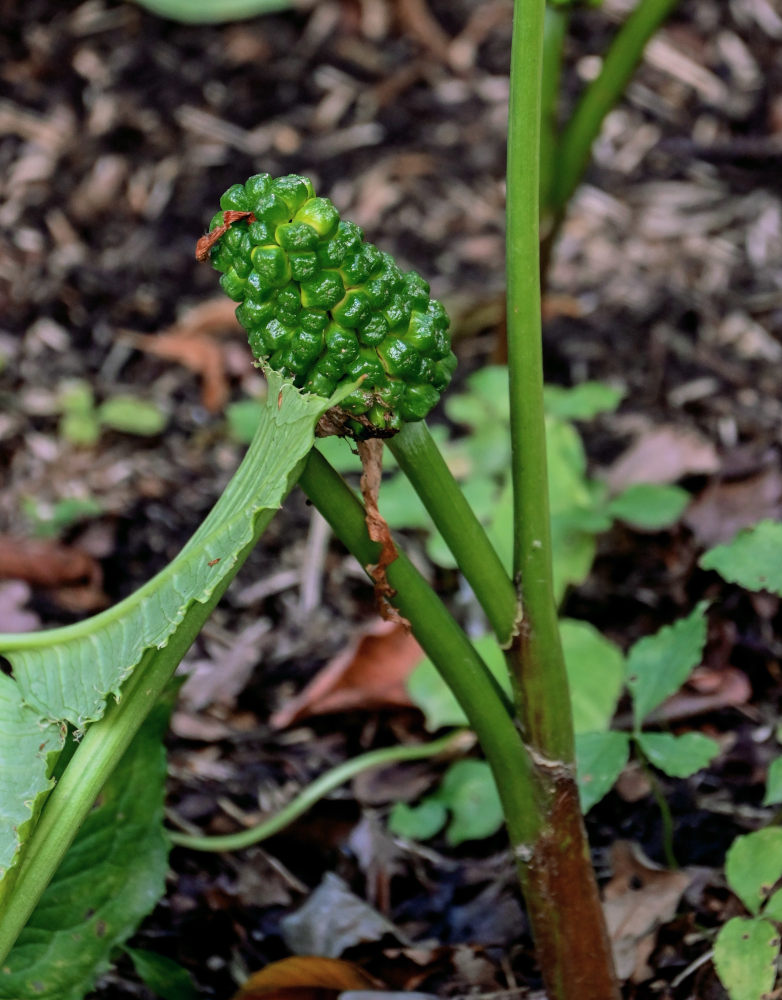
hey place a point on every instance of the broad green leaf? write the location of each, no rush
(649, 506)
(600, 758)
(419, 822)
(111, 878)
(567, 480)
(212, 11)
(469, 792)
(132, 415)
(659, 664)
(433, 696)
(773, 794)
(753, 865)
(166, 978)
(28, 750)
(678, 756)
(745, 954)
(243, 417)
(773, 908)
(67, 674)
(582, 402)
(753, 559)
(595, 668)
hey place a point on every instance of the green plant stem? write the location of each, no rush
(480, 697)
(315, 791)
(95, 758)
(422, 462)
(603, 93)
(545, 702)
(666, 819)
(556, 874)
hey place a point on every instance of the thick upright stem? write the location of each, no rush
(556, 873)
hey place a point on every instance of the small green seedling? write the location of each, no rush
(82, 421)
(747, 949)
(50, 521)
(655, 668)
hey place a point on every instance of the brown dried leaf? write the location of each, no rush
(191, 343)
(639, 898)
(334, 919)
(707, 690)
(305, 978)
(663, 455)
(43, 562)
(371, 455)
(369, 674)
(723, 509)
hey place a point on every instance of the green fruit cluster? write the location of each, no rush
(323, 307)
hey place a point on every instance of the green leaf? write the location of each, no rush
(773, 794)
(28, 751)
(649, 506)
(67, 674)
(678, 756)
(582, 402)
(342, 455)
(418, 822)
(745, 954)
(753, 865)
(166, 978)
(132, 415)
(596, 669)
(82, 429)
(773, 908)
(659, 664)
(469, 792)
(433, 696)
(243, 418)
(600, 758)
(50, 523)
(212, 11)
(111, 878)
(753, 559)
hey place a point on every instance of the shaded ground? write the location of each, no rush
(119, 132)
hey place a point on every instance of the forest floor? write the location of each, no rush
(118, 133)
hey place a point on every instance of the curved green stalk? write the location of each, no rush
(480, 697)
(602, 94)
(423, 464)
(315, 791)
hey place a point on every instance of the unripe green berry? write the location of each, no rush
(324, 308)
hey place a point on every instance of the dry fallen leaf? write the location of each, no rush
(305, 977)
(707, 690)
(369, 674)
(191, 342)
(723, 509)
(334, 919)
(73, 578)
(663, 455)
(639, 898)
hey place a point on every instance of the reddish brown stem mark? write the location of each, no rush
(371, 455)
(573, 949)
(206, 242)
